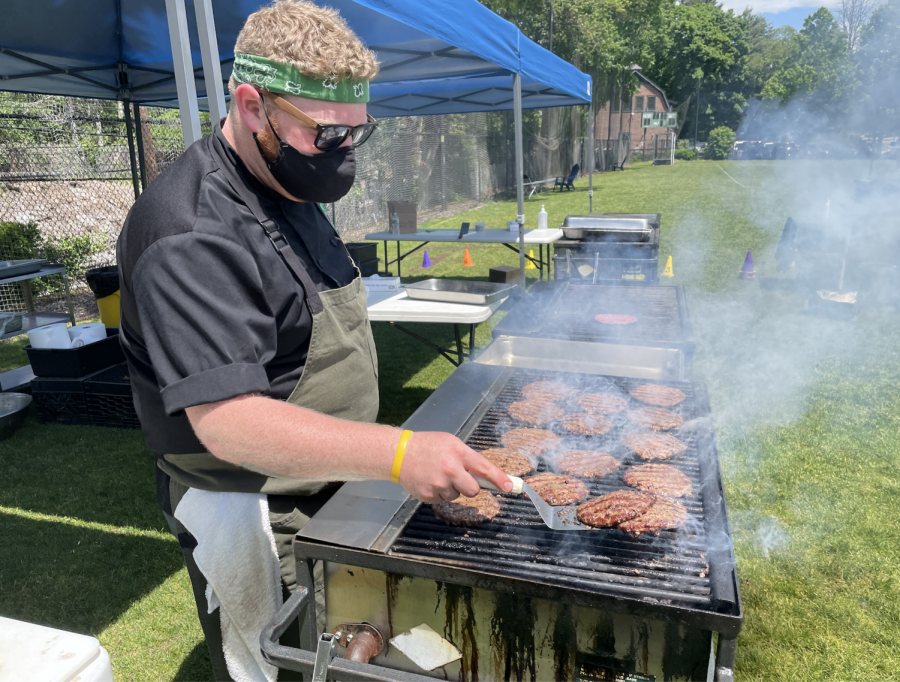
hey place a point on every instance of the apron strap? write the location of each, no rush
(281, 244)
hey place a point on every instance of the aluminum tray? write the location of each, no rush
(14, 268)
(458, 291)
(606, 228)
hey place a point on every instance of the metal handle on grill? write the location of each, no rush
(516, 481)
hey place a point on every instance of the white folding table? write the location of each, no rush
(393, 307)
(507, 238)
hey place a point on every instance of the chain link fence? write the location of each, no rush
(66, 176)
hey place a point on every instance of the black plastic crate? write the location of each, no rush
(369, 267)
(109, 400)
(76, 363)
(60, 400)
(362, 252)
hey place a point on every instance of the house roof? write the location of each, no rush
(642, 77)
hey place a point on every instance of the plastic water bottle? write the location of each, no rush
(542, 219)
(395, 224)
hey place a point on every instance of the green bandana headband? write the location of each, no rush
(284, 79)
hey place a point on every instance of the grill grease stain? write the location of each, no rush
(565, 642)
(512, 637)
(392, 586)
(604, 636)
(463, 635)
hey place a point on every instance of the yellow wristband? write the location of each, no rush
(398, 457)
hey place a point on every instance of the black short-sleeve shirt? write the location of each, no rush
(210, 310)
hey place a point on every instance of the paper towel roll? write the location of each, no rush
(92, 335)
(50, 336)
(77, 330)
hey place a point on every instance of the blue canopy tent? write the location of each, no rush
(453, 55)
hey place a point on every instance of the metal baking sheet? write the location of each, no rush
(458, 291)
(14, 268)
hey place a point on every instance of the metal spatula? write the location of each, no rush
(556, 518)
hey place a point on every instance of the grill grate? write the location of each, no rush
(667, 567)
(656, 310)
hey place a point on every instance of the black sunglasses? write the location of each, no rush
(330, 136)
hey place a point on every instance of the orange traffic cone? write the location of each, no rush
(467, 259)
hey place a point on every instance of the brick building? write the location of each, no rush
(648, 97)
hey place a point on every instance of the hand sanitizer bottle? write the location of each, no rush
(395, 224)
(542, 219)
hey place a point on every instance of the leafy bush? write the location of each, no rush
(721, 142)
(685, 154)
(20, 241)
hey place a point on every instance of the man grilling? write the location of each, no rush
(243, 317)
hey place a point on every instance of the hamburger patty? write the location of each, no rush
(468, 511)
(613, 508)
(547, 390)
(530, 441)
(655, 418)
(558, 490)
(653, 445)
(663, 514)
(585, 424)
(535, 412)
(509, 461)
(601, 403)
(615, 319)
(661, 479)
(587, 463)
(654, 394)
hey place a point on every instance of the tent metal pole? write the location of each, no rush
(212, 67)
(129, 131)
(139, 136)
(520, 189)
(590, 156)
(184, 73)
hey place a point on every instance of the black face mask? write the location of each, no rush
(322, 178)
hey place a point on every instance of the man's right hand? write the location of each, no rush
(438, 467)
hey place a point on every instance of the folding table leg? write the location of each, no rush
(459, 347)
(471, 341)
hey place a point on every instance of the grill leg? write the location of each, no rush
(725, 660)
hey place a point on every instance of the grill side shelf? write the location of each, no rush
(723, 585)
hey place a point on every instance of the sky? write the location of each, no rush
(779, 12)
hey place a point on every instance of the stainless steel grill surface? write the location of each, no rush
(667, 568)
(566, 311)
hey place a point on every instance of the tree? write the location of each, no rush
(721, 142)
(878, 60)
(853, 16)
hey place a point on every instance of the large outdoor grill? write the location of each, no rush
(554, 326)
(521, 601)
(608, 248)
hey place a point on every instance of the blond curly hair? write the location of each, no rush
(315, 40)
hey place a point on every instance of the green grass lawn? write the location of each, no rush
(807, 413)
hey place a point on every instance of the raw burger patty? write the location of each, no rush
(530, 441)
(653, 445)
(468, 511)
(614, 507)
(511, 462)
(547, 390)
(535, 412)
(655, 418)
(663, 514)
(601, 403)
(661, 479)
(615, 319)
(587, 463)
(585, 424)
(654, 394)
(558, 490)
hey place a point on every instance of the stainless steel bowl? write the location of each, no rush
(13, 410)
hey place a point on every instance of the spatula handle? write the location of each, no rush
(516, 481)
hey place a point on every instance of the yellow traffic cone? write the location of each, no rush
(667, 272)
(529, 262)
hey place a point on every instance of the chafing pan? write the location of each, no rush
(458, 291)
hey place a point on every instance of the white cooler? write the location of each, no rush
(38, 654)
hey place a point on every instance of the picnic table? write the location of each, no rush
(394, 307)
(507, 238)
